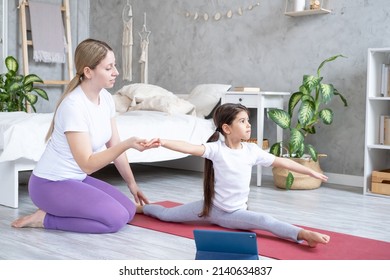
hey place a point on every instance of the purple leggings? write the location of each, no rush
(90, 206)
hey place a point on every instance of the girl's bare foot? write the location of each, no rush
(313, 238)
(139, 209)
(34, 220)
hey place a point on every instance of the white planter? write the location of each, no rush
(299, 5)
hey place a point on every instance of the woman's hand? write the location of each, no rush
(142, 144)
(139, 197)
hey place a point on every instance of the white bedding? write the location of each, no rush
(22, 135)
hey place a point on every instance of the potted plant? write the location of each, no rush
(306, 108)
(17, 92)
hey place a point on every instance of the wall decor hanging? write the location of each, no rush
(218, 12)
(143, 60)
(127, 42)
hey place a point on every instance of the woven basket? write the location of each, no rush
(301, 181)
(254, 140)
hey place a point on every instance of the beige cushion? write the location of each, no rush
(168, 104)
(206, 97)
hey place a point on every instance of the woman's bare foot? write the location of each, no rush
(34, 220)
(313, 238)
(139, 209)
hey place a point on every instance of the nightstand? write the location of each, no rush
(261, 101)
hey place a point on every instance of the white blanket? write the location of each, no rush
(23, 134)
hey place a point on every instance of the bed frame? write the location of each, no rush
(15, 158)
(9, 174)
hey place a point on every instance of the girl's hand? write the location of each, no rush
(320, 176)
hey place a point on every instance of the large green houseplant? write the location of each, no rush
(306, 108)
(17, 91)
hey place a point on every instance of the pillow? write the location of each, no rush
(206, 97)
(168, 104)
(122, 102)
(138, 92)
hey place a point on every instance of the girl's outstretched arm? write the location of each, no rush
(183, 147)
(294, 166)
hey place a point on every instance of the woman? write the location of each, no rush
(227, 175)
(82, 139)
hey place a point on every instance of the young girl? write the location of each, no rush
(83, 138)
(227, 175)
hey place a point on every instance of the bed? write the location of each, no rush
(145, 111)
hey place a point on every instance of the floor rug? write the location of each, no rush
(341, 246)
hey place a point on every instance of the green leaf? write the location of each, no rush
(301, 151)
(296, 140)
(28, 87)
(289, 180)
(32, 107)
(312, 152)
(304, 90)
(276, 149)
(13, 77)
(326, 115)
(293, 101)
(311, 82)
(32, 78)
(328, 60)
(31, 98)
(15, 87)
(12, 64)
(336, 92)
(326, 92)
(4, 96)
(42, 93)
(280, 117)
(306, 112)
(310, 129)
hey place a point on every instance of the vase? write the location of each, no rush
(299, 5)
(301, 181)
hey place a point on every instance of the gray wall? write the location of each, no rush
(263, 48)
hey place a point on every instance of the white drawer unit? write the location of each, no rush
(249, 100)
(260, 101)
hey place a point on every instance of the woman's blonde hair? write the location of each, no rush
(89, 53)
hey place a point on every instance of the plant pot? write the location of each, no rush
(301, 181)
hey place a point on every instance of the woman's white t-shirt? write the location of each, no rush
(75, 113)
(232, 172)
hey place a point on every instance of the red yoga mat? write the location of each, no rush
(341, 246)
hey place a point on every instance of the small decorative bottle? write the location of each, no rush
(314, 4)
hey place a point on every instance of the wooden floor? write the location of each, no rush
(331, 207)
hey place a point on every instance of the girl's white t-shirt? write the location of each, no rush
(75, 113)
(232, 172)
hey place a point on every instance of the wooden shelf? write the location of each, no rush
(308, 12)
